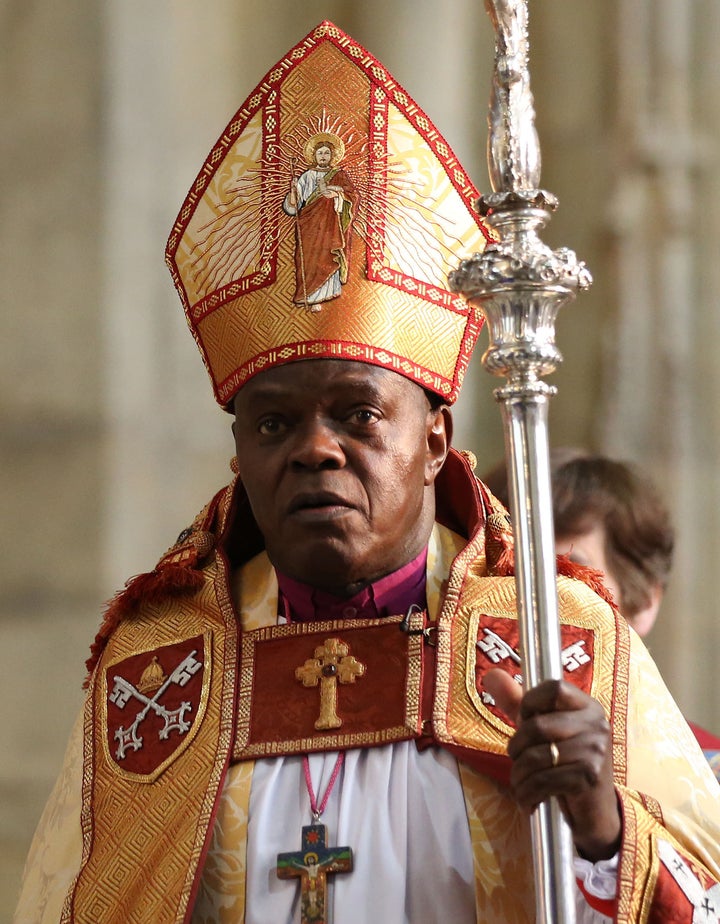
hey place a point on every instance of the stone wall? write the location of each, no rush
(51, 417)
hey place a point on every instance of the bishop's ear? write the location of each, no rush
(439, 437)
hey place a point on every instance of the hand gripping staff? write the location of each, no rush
(520, 284)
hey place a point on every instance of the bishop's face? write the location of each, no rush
(338, 459)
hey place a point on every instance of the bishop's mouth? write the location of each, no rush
(319, 505)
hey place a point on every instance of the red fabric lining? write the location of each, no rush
(606, 906)
(705, 738)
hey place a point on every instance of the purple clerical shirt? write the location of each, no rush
(391, 595)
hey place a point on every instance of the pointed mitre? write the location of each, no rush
(324, 223)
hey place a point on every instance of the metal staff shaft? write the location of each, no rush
(519, 284)
(525, 422)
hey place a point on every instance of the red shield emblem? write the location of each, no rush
(498, 645)
(154, 704)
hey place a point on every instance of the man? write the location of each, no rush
(303, 713)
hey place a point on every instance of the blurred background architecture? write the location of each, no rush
(109, 437)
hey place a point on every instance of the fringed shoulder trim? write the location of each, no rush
(499, 540)
(594, 579)
(499, 549)
(179, 571)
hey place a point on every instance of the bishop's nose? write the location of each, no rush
(316, 445)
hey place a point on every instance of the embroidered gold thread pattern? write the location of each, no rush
(188, 737)
(330, 742)
(416, 325)
(653, 807)
(414, 674)
(133, 811)
(459, 703)
(630, 898)
(245, 748)
(330, 665)
(643, 888)
(473, 554)
(223, 745)
(619, 718)
(88, 771)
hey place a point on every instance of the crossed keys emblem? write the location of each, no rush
(174, 719)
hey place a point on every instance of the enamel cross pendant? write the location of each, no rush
(311, 865)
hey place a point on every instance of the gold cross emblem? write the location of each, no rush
(332, 664)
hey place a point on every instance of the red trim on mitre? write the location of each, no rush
(377, 270)
(334, 349)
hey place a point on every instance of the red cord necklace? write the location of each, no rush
(316, 809)
(312, 863)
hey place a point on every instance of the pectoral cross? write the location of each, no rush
(332, 664)
(312, 864)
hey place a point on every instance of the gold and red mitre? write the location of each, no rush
(324, 223)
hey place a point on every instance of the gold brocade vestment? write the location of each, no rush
(132, 845)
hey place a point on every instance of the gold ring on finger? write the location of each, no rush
(554, 754)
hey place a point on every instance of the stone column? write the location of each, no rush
(659, 408)
(50, 398)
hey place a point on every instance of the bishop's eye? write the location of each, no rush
(364, 416)
(270, 426)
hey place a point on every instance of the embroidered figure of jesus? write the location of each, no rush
(324, 201)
